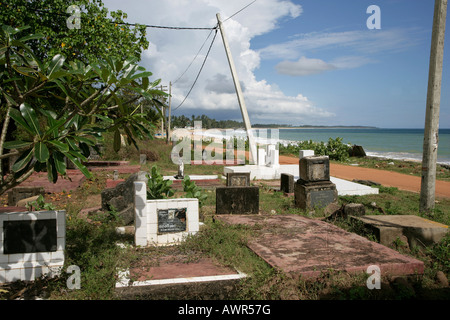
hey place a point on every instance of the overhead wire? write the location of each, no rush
(199, 72)
(173, 28)
(194, 57)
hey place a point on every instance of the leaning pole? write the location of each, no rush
(251, 141)
(431, 134)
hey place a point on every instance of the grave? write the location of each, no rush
(121, 197)
(300, 246)
(287, 183)
(19, 193)
(31, 244)
(264, 172)
(419, 231)
(238, 179)
(163, 221)
(237, 200)
(314, 188)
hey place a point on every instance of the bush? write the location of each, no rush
(335, 148)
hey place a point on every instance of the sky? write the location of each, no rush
(310, 62)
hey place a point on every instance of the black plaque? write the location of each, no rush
(172, 220)
(321, 198)
(28, 236)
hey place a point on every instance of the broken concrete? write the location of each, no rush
(419, 231)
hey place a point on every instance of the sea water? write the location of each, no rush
(388, 143)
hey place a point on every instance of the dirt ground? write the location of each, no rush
(385, 178)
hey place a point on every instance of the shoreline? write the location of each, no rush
(398, 156)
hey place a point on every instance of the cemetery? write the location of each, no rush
(98, 202)
(186, 246)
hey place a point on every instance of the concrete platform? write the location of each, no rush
(201, 278)
(418, 231)
(40, 179)
(344, 187)
(306, 247)
(348, 188)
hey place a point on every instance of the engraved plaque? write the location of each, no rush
(322, 198)
(172, 220)
(28, 236)
(238, 179)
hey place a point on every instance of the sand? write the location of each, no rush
(385, 178)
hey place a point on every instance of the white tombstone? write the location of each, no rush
(305, 153)
(37, 250)
(273, 156)
(261, 157)
(163, 221)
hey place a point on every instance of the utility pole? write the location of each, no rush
(168, 130)
(431, 134)
(251, 142)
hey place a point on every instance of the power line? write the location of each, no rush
(239, 11)
(65, 15)
(203, 64)
(194, 57)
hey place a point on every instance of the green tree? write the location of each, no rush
(64, 107)
(101, 33)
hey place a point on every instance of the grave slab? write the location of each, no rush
(41, 179)
(419, 231)
(307, 247)
(174, 279)
(237, 200)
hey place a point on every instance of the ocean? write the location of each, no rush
(388, 143)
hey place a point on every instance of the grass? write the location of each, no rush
(93, 244)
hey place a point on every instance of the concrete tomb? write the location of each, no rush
(314, 188)
(19, 193)
(287, 183)
(163, 221)
(237, 200)
(32, 244)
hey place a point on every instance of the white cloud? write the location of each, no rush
(365, 42)
(170, 52)
(303, 67)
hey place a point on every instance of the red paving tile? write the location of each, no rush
(40, 179)
(170, 270)
(301, 246)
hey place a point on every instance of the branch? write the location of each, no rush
(3, 136)
(8, 155)
(11, 74)
(12, 182)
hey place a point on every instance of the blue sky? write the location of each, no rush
(311, 62)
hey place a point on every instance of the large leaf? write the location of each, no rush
(55, 65)
(17, 117)
(59, 145)
(16, 144)
(52, 173)
(60, 163)
(41, 152)
(78, 164)
(23, 160)
(30, 117)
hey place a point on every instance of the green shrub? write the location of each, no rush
(335, 148)
(193, 191)
(157, 187)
